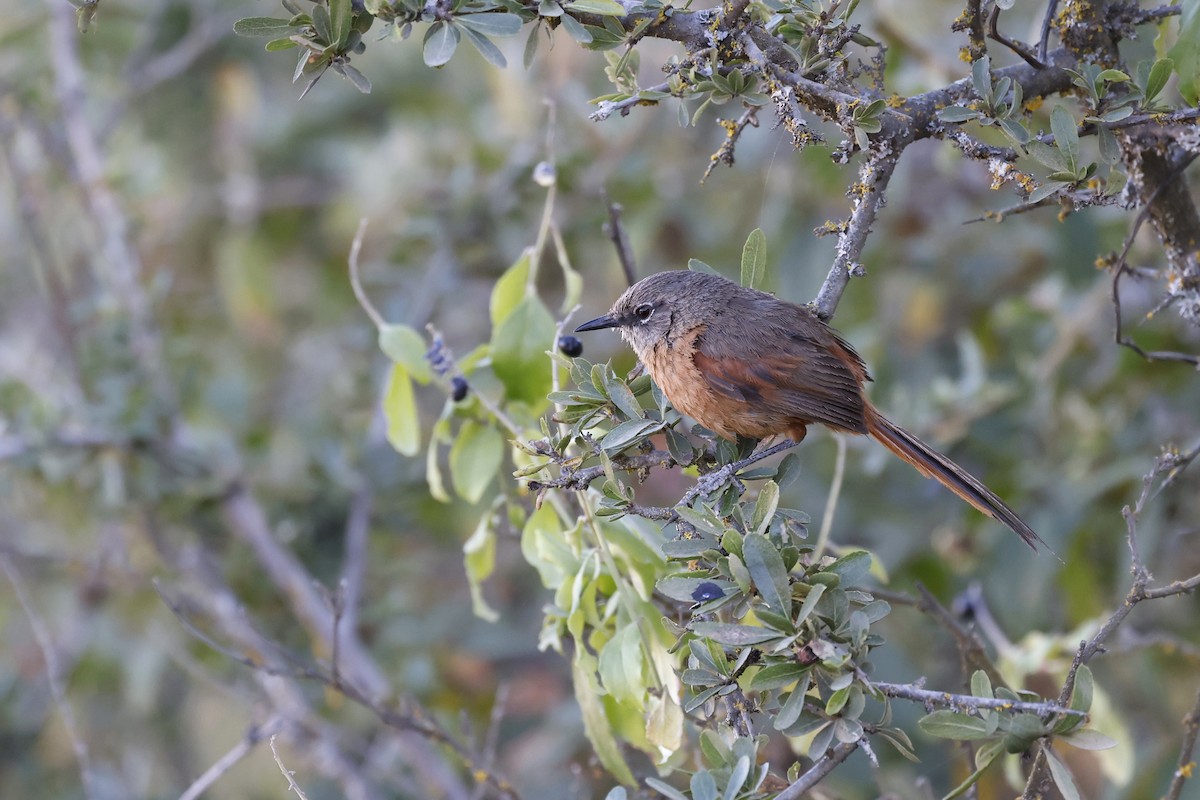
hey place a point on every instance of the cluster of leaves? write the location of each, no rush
(327, 36)
(997, 733)
(323, 32)
(1107, 95)
(815, 36)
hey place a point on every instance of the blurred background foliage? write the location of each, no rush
(993, 341)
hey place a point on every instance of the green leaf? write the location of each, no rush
(320, 21)
(340, 17)
(768, 572)
(433, 472)
(793, 707)
(837, 701)
(400, 411)
(1088, 739)
(628, 433)
(1081, 695)
(276, 45)
(589, 694)
(621, 666)
(622, 397)
(764, 507)
(665, 789)
(1050, 156)
(475, 458)
(983, 759)
(490, 24)
(359, 80)
(1066, 134)
(264, 26)
(810, 602)
(956, 114)
(1160, 73)
(486, 47)
(696, 265)
(519, 343)
(479, 559)
(609, 8)
(617, 793)
(737, 778)
(703, 786)
(777, 676)
(511, 289)
(402, 344)
(1186, 53)
(754, 260)
(981, 684)
(851, 568)
(440, 42)
(1045, 190)
(732, 634)
(576, 29)
(1112, 76)
(953, 725)
(1061, 775)
(981, 78)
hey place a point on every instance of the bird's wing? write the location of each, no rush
(790, 363)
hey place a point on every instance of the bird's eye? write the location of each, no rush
(644, 312)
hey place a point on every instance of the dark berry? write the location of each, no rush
(458, 388)
(570, 346)
(707, 591)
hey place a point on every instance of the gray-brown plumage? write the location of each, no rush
(743, 362)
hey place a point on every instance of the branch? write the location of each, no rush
(1165, 183)
(969, 702)
(868, 197)
(1191, 727)
(54, 675)
(254, 735)
(287, 773)
(817, 772)
(616, 231)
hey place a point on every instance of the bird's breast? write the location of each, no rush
(674, 370)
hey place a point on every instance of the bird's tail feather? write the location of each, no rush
(932, 464)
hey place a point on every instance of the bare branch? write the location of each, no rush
(867, 197)
(970, 702)
(817, 772)
(53, 674)
(1191, 727)
(287, 773)
(254, 735)
(616, 232)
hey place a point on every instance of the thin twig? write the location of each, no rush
(606, 108)
(1186, 766)
(616, 232)
(964, 702)
(1122, 267)
(1021, 49)
(356, 281)
(817, 772)
(254, 735)
(53, 674)
(287, 773)
(1047, 21)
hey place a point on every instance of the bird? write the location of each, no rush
(742, 362)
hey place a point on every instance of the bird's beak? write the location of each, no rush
(607, 321)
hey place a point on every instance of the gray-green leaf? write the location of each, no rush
(440, 42)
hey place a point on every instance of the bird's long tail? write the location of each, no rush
(932, 464)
